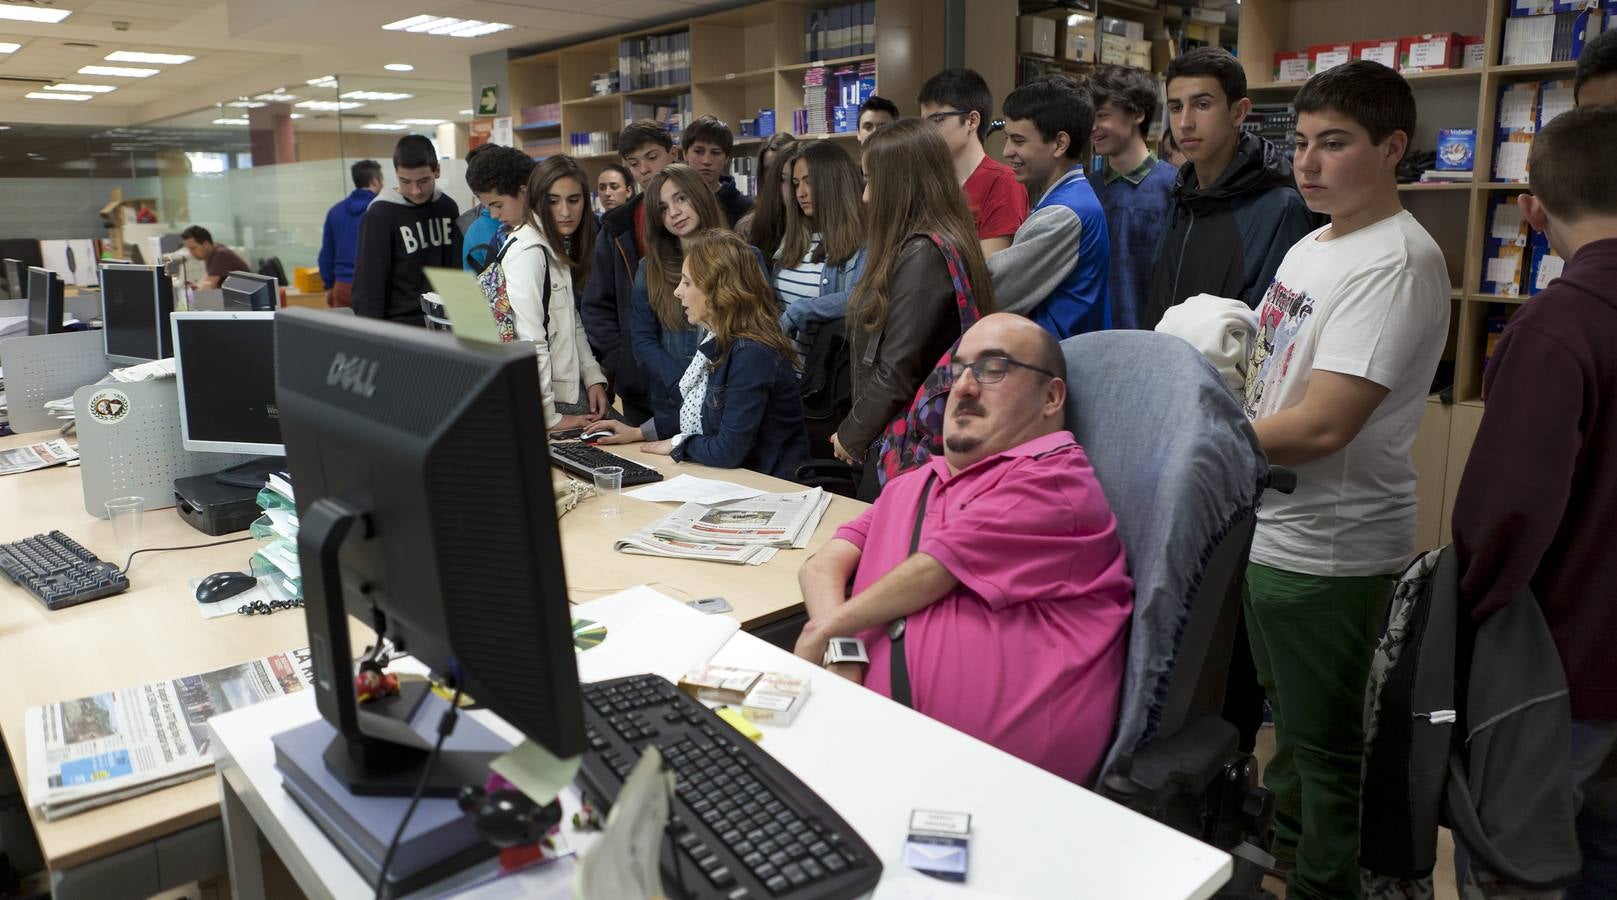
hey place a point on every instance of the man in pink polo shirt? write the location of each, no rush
(1016, 600)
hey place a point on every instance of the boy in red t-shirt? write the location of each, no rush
(958, 104)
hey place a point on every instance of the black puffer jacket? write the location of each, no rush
(605, 304)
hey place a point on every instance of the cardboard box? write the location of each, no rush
(1429, 52)
(776, 699)
(1203, 14)
(1384, 52)
(1138, 61)
(1292, 66)
(1473, 51)
(1078, 42)
(1036, 34)
(1322, 57)
(1163, 52)
(719, 684)
(1123, 28)
(1201, 31)
(1114, 50)
(307, 279)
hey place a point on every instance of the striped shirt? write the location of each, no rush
(802, 281)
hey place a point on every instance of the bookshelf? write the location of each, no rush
(1456, 215)
(740, 61)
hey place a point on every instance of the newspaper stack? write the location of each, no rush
(742, 532)
(36, 456)
(158, 369)
(98, 750)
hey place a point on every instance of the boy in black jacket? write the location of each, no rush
(706, 144)
(405, 230)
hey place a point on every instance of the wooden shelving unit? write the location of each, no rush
(1456, 215)
(742, 60)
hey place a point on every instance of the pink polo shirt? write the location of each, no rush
(1026, 653)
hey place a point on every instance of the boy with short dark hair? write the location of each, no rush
(404, 231)
(1538, 503)
(217, 259)
(646, 148)
(1054, 272)
(874, 113)
(1135, 188)
(1235, 208)
(706, 144)
(1595, 82)
(959, 105)
(1349, 334)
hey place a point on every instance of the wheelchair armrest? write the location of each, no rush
(1182, 764)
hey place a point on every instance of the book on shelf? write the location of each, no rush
(840, 31)
(1514, 128)
(1553, 37)
(654, 61)
(674, 113)
(1446, 176)
(1504, 248)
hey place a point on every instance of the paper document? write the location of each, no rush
(36, 456)
(648, 631)
(464, 304)
(624, 863)
(92, 751)
(741, 532)
(690, 489)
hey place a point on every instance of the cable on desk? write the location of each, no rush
(446, 724)
(131, 559)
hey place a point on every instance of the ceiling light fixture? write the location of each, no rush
(231, 122)
(328, 105)
(52, 95)
(82, 88)
(375, 95)
(375, 126)
(446, 26)
(468, 112)
(276, 97)
(246, 104)
(323, 81)
(421, 121)
(167, 59)
(399, 67)
(8, 47)
(118, 71)
(19, 13)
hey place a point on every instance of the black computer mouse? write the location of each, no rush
(223, 586)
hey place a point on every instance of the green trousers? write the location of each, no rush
(1312, 639)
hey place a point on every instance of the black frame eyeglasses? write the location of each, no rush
(992, 369)
(938, 118)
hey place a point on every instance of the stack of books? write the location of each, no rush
(817, 110)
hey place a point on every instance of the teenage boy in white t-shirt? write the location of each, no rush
(1350, 333)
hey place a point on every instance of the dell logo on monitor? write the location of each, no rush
(353, 373)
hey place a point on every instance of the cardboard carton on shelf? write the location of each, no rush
(1036, 34)
(1080, 37)
(1429, 52)
(1322, 57)
(1381, 51)
(1292, 65)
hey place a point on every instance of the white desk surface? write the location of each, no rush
(1033, 834)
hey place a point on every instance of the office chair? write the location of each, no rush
(1183, 472)
(271, 266)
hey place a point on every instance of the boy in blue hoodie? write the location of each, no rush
(340, 240)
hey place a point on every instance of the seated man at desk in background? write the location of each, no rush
(219, 259)
(1002, 558)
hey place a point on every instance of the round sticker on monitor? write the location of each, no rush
(109, 406)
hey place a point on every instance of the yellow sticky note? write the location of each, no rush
(535, 771)
(464, 304)
(740, 723)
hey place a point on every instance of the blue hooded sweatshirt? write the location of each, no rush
(340, 241)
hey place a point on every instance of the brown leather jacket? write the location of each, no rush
(890, 364)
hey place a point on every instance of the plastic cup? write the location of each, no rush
(609, 490)
(126, 513)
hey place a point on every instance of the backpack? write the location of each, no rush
(917, 435)
(826, 388)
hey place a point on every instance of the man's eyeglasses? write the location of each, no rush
(938, 118)
(992, 369)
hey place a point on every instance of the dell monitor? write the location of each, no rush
(426, 512)
(136, 302)
(245, 290)
(45, 301)
(15, 287)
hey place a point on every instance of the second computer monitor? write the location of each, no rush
(245, 290)
(16, 288)
(224, 367)
(135, 305)
(45, 301)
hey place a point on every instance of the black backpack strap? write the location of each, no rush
(895, 631)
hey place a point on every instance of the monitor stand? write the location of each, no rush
(253, 474)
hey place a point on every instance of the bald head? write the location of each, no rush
(1025, 402)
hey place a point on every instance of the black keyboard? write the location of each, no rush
(582, 460)
(744, 827)
(54, 568)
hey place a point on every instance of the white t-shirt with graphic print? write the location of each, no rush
(1374, 304)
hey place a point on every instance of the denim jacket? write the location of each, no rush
(752, 416)
(836, 283)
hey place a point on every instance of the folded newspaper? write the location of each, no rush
(36, 456)
(742, 532)
(93, 751)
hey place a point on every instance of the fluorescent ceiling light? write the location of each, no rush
(328, 105)
(296, 116)
(403, 24)
(246, 104)
(276, 97)
(477, 29)
(446, 25)
(19, 13)
(51, 95)
(118, 71)
(82, 88)
(323, 81)
(231, 122)
(375, 95)
(375, 126)
(399, 67)
(8, 47)
(167, 59)
(468, 112)
(421, 121)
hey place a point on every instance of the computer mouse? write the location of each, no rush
(223, 586)
(596, 434)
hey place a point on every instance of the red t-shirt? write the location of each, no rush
(998, 203)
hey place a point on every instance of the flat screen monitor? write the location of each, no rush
(135, 305)
(246, 290)
(74, 261)
(224, 368)
(45, 301)
(425, 507)
(16, 287)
